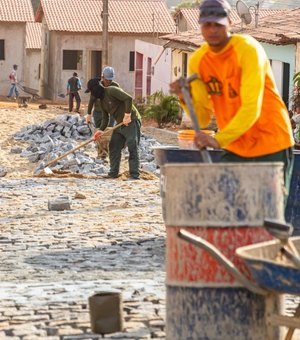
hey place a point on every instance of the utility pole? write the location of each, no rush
(104, 32)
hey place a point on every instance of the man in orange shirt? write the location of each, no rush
(235, 82)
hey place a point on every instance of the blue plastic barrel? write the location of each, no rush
(292, 211)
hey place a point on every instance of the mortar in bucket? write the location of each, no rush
(186, 138)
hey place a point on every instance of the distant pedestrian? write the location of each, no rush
(13, 82)
(74, 85)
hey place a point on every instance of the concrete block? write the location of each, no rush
(60, 203)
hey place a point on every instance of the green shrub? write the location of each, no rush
(163, 109)
(296, 91)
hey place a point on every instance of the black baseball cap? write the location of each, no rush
(214, 11)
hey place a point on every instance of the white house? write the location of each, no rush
(32, 71)
(72, 41)
(14, 14)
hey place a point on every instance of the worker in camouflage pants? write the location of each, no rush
(108, 75)
(119, 104)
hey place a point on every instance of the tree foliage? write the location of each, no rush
(296, 92)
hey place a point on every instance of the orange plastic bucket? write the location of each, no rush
(186, 138)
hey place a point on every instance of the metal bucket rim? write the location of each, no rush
(227, 164)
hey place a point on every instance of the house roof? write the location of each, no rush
(191, 15)
(125, 16)
(16, 11)
(280, 29)
(33, 35)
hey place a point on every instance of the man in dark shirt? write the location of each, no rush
(119, 104)
(74, 85)
(95, 111)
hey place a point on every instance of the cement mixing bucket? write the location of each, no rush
(225, 204)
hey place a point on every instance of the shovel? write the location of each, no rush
(282, 232)
(184, 84)
(46, 168)
(62, 95)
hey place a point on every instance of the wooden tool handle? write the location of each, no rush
(80, 146)
(70, 151)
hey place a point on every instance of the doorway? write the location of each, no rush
(95, 64)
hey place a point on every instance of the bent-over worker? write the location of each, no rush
(119, 104)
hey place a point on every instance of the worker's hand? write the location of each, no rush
(88, 118)
(127, 119)
(175, 88)
(98, 135)
(203, 140)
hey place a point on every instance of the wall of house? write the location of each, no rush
(182, 24)
(176, 72)
(33, 62)
(13, 35)
(160, 75)
(45, 56)
(58, 78)
(55, 78)
(120, 47)
(297, 62)
(279, 55)
(176, 69)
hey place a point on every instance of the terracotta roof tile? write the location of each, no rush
(276, 29)
(16, 11)
(191, 15)
(33, 35)
(280, 29)
(125, 16)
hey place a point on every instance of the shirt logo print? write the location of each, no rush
(232, 93)
(214, 86)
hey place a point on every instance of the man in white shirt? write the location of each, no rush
(13, 82)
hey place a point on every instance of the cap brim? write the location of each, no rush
(222, 21)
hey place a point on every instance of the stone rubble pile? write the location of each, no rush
(56, 136)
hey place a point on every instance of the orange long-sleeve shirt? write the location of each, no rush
(237, 84)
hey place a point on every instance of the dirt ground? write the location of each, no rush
(13, 118)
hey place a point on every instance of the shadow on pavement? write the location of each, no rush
(137, 255)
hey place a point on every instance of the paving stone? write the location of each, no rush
(60, 203)
(51, 262)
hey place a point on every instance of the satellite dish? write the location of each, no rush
(243, 12)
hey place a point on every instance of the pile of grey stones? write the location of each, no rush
(54, 137)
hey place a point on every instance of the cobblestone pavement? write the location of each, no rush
(52, 261)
